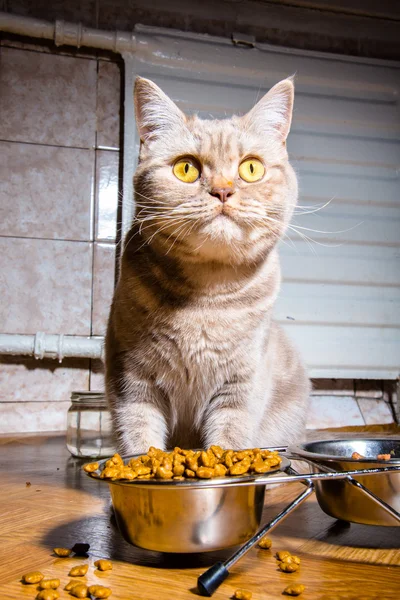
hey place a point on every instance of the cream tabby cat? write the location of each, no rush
(193, 357)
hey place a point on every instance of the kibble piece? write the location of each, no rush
(294, 590)
(288, 567)
(357, 456)
(33, 577)
(48, 595)
(62, 552)
(205, 472)
(242, 595)
(71, 585)
(292, 558)
(99, 591)
(78, 571)
(265, 543)
(49, 584)
(384, 456)
(90, 467)
(240, 468)
(282, 554)
(103, 565)
(79, 591)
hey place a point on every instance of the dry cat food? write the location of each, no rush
(186, 464)
(294, 590)
(242, 595)
(358, 456)
(71, 585)
(33, 577)
(99, 591)
(80, 590)
(288, 563)
(49, 584)
(265, 543)
(78, 571)
(48, 595)
(103, 565)
(62, 552)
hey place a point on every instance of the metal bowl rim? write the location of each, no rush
(190, 483)
(300, 451)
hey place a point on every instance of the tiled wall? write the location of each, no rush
(59, 173)
(339, 403)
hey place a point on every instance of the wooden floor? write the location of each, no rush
(63, 506)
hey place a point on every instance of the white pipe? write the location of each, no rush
(64, 33)
(56, 346)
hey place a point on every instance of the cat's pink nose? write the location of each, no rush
(223, 193)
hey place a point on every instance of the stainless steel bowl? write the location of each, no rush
(343, 501)
(191, 515)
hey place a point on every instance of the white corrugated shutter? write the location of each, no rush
(340, 300)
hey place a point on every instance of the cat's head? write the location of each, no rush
(214, 189)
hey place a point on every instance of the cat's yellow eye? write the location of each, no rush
(251, 170)
(186, 171)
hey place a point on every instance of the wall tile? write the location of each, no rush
(107, 188)
(375, 411)
(45, 286)
(22, 417)
(97, 376)
(24, 379)
(47, 98)
(103, 286)
(108, 104)
(333, 411)
(46, 191)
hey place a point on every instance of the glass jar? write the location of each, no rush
(89, 431)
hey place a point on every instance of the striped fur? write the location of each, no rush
(193, 357)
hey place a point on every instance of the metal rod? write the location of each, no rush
(269, 526)
(211, 579)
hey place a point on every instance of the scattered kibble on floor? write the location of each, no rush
(62, 552)
(103, 565)
(294, 590)
(32, 577)
(99, 591)
(265, 543)
(242, 594)
(79, 591)
(78, 571)
(49, 584)
(48, 595)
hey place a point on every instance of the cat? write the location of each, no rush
(193, 357)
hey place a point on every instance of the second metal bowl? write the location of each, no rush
(343, 501)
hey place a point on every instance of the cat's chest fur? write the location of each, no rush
(193, 354)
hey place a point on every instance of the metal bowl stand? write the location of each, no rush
(211, 579)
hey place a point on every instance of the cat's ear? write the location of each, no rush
(273, 113)
(155, 112)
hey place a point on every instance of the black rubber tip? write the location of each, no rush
(212, 579)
